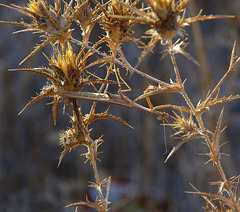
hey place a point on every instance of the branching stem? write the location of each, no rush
(125, 64)
(91, 151)
(199, 118)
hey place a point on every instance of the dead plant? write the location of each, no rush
(69, 78)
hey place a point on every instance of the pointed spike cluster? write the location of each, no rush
(215, 154)
(185, 128)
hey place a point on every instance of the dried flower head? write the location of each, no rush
(68, 138)
(68, 69)
(118, 30)
(46, 19)
(166, 19)
(72, 137)
(185, 127)
(66, 73)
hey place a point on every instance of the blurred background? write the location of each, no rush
(134, 158)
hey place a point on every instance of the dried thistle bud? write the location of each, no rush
(166, 19)
(46, 19)
(118, 30)
(49, 20)
(185, 127)
(68, 69)
(68, 138)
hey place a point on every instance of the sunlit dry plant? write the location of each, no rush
(212, 99)
(46, 19)
(179, 48)
(79, 134)
(118, 30)
(98, 204)
(185, 130)
(223, 200)
(72, 137)
(72, 76)
(66, 73)
(166, 19)
(185, 127)
(214, 146)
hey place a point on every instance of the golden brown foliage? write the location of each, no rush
(89, 72)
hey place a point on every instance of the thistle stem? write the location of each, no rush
(97, 178)
(200, 122)
(91, 151)
(179, 81)
(125, 64)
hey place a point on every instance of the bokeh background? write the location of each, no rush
(141, 181)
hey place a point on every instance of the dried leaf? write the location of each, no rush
(38, 97)
(67, 148)
(88, 203)
(89, 118)
(153, 90)
(182, 141)
(209, 103)
(216, 135)
(215, 197)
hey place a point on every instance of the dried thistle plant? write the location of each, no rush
(70, 78)
(166, 18)
(48, 20)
